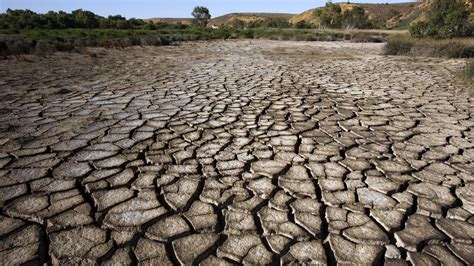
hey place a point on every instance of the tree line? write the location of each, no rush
(27, 19)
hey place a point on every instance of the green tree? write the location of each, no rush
(85, 19)
(201, 16)
(330, 15)
(356, 18)
(64, 20)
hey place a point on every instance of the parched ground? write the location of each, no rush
(236, 152)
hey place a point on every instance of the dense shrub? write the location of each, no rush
(302, 25)
(356, 18)
(418, 28)
(260, 23)
(27, 19)
(332, 16)
(43, 47)
(445, 19)
(26, 41)
(151, 40)
(452, 48)
(398, 45)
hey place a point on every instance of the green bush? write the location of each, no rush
(418, 29)
(44, 47)
(332, 16)
(398, 45)
(445, 19)
(302, 25)
(151, 40)
(452, 48)
(249, 34)
(25, 41)
(19, 47)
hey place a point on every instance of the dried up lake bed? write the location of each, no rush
(225, 152)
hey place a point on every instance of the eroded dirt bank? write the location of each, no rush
(236, 152)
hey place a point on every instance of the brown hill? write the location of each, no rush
(226, 19)
(392, 14)
(404, 19)
(186, 21)
(249, 17)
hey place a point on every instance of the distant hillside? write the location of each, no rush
(404, 19)
(226, 19)
(390, 14)
(186, 21)
(249, 17)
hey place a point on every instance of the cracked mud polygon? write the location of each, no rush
(227, 152)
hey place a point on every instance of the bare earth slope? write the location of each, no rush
(236, 152)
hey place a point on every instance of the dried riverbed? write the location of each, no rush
(251, 152)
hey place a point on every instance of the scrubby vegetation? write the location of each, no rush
(278, 23)
(26, 32)
(445, 19)
(332, 16)
(26, 19)
(18, 42)
(442, 34)
(398, 45)
(48, 41)
(449, 48)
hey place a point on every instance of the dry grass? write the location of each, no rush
(248, 17)
(467, 75)
(448, 48)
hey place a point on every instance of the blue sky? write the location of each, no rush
(168, 8)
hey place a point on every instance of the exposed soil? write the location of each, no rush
(253, 152)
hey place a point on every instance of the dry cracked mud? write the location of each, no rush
(234, 152)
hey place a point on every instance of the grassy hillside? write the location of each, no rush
(185, 21)
(404, 19)
(390, 14)
(227, 19)
(248, 17)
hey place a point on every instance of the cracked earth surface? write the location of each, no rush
(236, 152)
